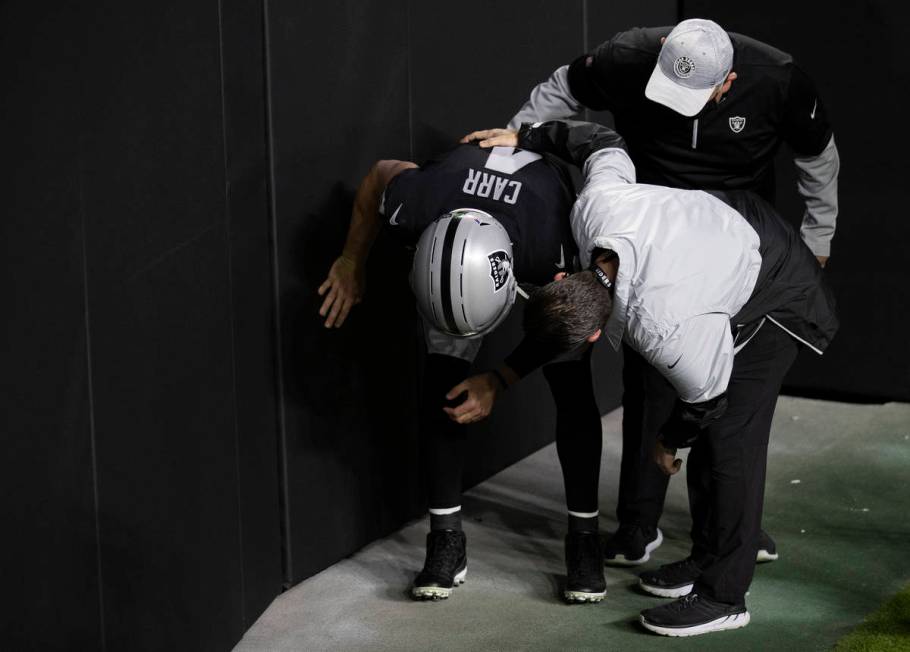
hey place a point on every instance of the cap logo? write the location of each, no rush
(737, 123)
(499, 269)
(684, 67)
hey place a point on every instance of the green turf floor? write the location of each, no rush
(837, 502)
(886, 630)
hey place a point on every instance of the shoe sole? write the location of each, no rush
(763, 556)
(583, 596)
(666, 592)
(438, 592)
(734, 621)
(620, 560)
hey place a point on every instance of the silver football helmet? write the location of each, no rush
(462, 273)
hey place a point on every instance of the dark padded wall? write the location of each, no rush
(159, 300)
(349, 83)
(140, 463)
(246, 165)
(49, 548)
(849, 50)
(339, 99)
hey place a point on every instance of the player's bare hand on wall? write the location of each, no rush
(343, 289)
(493, 138)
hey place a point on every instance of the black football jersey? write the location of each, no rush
(529, 194)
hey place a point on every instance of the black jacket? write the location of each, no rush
(728, 146)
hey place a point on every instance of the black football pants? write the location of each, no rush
(578, 431)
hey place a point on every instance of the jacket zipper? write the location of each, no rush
(695, 133)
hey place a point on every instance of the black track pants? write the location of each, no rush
(726, 474)
(648, 400)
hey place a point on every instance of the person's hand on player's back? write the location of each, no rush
(493, 138)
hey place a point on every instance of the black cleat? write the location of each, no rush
(692, 615)
(767, 549)
(632, 545)
(584, 568)
(445, 567)
(671, 580)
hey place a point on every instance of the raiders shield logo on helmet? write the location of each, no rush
(499, 269)
(737, 123)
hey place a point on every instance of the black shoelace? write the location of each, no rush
(685, 602)
(684, 564)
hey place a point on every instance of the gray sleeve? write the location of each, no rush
(817, 183)
(550, 100)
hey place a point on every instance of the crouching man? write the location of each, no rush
(718, 293)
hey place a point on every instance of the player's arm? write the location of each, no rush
(807, 130)
(698, 362)
(483, 389)
(345, 283)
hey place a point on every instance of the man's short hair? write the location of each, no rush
(562, 315)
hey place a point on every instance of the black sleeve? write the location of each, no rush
(689, 419)
(584, 84)
(400, 207)
(528, 356)
(804, 127)
(569, 140)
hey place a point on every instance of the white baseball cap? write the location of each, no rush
(696, 57)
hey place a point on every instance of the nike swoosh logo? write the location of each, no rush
(392, 220)
(670, 366)
(562, 259)
(814, 106)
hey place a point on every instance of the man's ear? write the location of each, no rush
(596, 336)
(560, 276)
(663, 39)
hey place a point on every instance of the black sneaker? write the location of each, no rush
(694, 614)
(632, 545)
(445, 567)
(671, 580)
(584, 568)
(767, 549)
